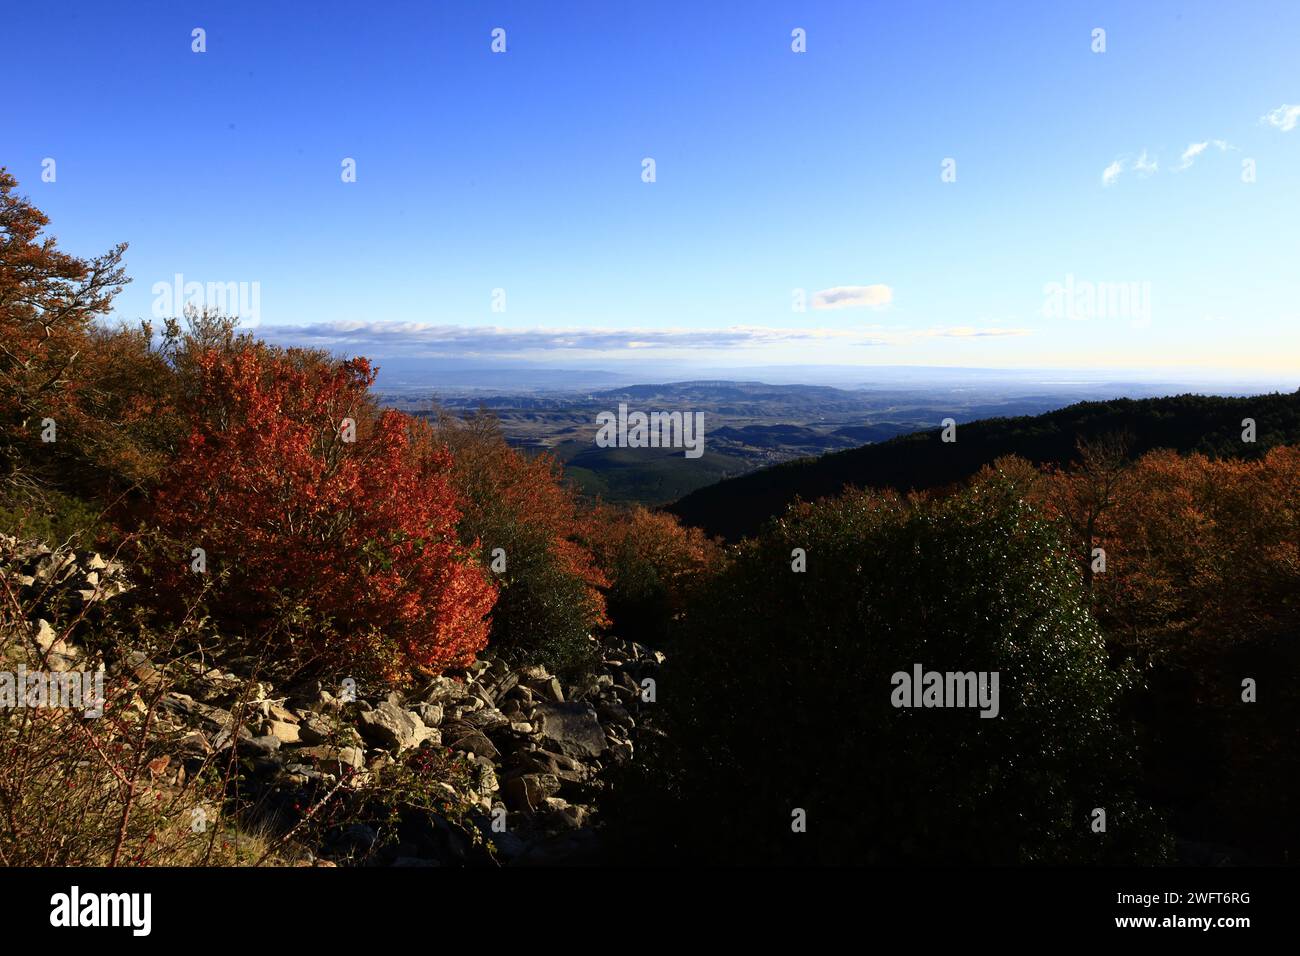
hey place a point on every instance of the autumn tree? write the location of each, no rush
(1203, 551)
(652, 564)
(49, 301)
(1082, 494)
(297, 514)
(527, 526)
(1202, 590)
(781, 698)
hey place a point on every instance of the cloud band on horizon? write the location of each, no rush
(418, 339)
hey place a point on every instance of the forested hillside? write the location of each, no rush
(1210, 425)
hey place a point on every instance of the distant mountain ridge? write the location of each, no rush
(739, 506)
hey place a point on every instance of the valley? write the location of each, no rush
(748, 425)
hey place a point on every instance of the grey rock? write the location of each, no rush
(488, 719)
(314, 729)
(572, 728)
(463, 736)
(331, 758)
(431, 714)
(390, 726)
(528, 791)
(264, 746)
(282, 731)
(550, 690)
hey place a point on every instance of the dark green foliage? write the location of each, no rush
(525, 524)
(1228, 772)
(779, 697)
(44, 514)
(544, 612)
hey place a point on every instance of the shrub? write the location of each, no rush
(111, 789)
(549, 604)
(1200, 590)
(651, 563)
(780, 698)
(358, 535)
(46, 514)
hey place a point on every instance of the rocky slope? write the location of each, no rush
(528, 753)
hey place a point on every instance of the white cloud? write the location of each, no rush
(1146, 166)
(966, 332)
(1194, 150)
(853, 297)
(1284, 117)
(423, 340)
(882, 336)
(1191, 152)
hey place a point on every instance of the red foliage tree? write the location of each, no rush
(48, 343)
(1204, 551)
(651, 563)
(517, 506)
(360, 533)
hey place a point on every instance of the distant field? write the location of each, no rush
(747, 425)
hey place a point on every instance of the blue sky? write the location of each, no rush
(775, 171)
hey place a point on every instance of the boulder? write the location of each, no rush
(571, 728)
(314, 729)
(431, 714)
(282, 731)
(528, 791)
(330, 758)
(264, 746)
(550, 690)
(390, 726)
(465, 737)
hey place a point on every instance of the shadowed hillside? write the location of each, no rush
(1186, 423)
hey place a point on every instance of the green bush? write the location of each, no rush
(525, 523)
(50, 516)
(779, 698)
